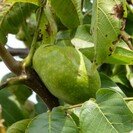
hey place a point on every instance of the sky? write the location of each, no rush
(13, 42)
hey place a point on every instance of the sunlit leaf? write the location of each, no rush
(130, 104)
(121, 55)
(109, 113)
(107, 22)
(69, 12)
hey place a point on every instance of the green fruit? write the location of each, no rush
(66, 72)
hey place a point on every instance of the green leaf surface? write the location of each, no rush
(19, 127)
(130, 105)
(11, 109)
(109, 113)
(79, 37)
(106, 82)
(119, 75)
(18, 90)
(29, 1)
(56, 121)
(121, 56)
(21, 92)
(69, 12)
(13, 18)
(107, 18)
(40, 106)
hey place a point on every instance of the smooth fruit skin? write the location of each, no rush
(66, 72)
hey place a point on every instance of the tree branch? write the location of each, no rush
(11, 63)
(22, 52)
(33, 81)
(127, 39)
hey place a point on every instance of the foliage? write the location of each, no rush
(102, 31)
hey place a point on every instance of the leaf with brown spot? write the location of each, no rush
(108, 17)
(118, 11)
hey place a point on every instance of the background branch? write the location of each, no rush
(22, 52)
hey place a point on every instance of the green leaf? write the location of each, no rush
(120, 56)
(11, 109)
(40, 107)
(129, 22)
(88, 52)
(80, 37)
(19, 127)
(29, 1)
(130, 105)
(129, 75)
(18, 90)
(13, 18)
(56, 121)
(107, 18)
(21, 92)
(47, 26)
(71, 17)
(106, 82)
(109, 113)
(119, 75)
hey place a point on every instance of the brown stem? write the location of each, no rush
(34, 82)
(127, 39)
(11, 63)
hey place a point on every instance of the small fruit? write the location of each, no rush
(66, 72)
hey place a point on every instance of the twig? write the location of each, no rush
(127, 39)
(11, 63)
(128, 99)
(73, 106)
(28, 60)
